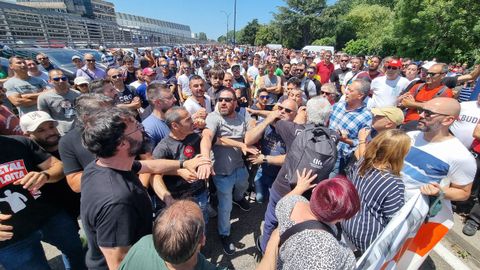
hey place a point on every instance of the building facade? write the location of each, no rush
(154, 25)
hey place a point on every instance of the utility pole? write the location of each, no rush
(228, 18)
(234, 22)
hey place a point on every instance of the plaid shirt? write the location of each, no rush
(352, 122)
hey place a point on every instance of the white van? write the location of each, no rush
(317, 49)
(274, 46)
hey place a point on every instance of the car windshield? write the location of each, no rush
(62, 57)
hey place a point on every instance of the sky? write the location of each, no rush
(203, 16)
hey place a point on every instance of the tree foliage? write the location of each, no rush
(202, 36)
(249, 32)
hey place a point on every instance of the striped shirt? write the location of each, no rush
(381, 196)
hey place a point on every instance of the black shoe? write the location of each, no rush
(258, 246)
(228, 247)
(243, 204)
(470, 227)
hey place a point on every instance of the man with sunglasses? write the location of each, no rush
(44, 62)
(167, 76)
(22, 89)
(59, 103)
(127, 96)
(386, 89)
(338, 74)
(421, 93)
(230, 174)
(438, 164)
(90, 71)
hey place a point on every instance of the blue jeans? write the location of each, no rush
(271, 222)
(225, 185)
(59, 231)
(263, 183)
(202, 200)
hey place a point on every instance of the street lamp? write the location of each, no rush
(228, 16)
(234, 22)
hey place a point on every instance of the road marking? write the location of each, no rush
(450, 258)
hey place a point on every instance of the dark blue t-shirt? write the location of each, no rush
(272, 145)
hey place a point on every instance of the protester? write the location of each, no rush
(90, 70)
(380, 187)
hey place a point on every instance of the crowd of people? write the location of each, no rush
(150, 150)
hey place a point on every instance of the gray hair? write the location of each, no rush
(173, 115)
(91, 103)
(318, 110)
(154, 94)
(364, 87)
(329, 87)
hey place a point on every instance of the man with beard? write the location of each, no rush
(59, 103)
(231, 175)
(115, 208)
(373, 69)
(357, 66)
(161, 99)
(307, 86)
(198, 104)
(386, 89)
(167, 76)
(438, 164)
(42, 129)
(338, 74)
(241, 87)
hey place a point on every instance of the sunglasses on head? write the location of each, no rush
(63, 79)
(287, 110)
(392, 68)
(224, 99)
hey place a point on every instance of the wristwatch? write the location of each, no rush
(265, 159)
(181, 163)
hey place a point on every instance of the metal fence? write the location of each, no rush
(26, 26)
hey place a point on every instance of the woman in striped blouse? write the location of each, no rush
(380, 187)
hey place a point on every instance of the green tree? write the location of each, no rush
(266, 34)
(202, 36)
(358, 46)
(249, 32)
(326, 41)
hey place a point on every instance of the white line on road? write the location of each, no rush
(450, 258)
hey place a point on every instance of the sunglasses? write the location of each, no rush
(432, 74)
(224, 99)
(392, 68)
(263, 97)
(428, 113)
(310, 72)
(300, 70)
(63, 79)
(164, 66)
(90, 60)
(326, 93)
(117, 76)
(42, 58)
(287, 110)
(345, 61)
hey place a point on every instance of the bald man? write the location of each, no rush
(438, 163)
(178, 235)
(272, 146)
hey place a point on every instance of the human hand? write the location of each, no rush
(187, 175)
(32, 181)
(204, 171)
(408, 100)
(256, 160)
(250, 150)
(432, 189)
(200, 114)
(304, 181)
(5, 230)
(363, 133)
(195, 162)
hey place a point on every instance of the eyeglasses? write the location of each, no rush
(63, 79)
(432, 74)
(310, 72)
(263, 97)
(345, 61)
(139, 127)
(327, 93)
(392, 68)
(90, 60)
(117, 76)
(428, 113)
(287, 110)
(224, 99)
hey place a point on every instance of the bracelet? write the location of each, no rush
(181, 163)
(360, 142)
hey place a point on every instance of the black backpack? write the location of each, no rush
(313, 149)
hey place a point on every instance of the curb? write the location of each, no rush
(463, 242)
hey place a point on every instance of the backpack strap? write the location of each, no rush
(308, 225)
(441, 91)
(420, 86)
(305, 87)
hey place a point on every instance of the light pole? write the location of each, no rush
(234, 22)
(228, 16)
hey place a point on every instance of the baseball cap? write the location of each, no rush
(148, 71)
(29, 122)
(76, 57)
(428, 64)
(81, 80)
(394, 63)
(393, 114)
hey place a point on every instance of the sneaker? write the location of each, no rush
(243, 204)
(211, 212)
(227, 245)
(470, 227)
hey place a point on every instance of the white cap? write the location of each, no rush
(29, 122)
(81, 80)
(428, 64)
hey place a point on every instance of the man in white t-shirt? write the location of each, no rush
(386, 89)
(198, 104)
(184, 82)
(469, 117)
(438, 164)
